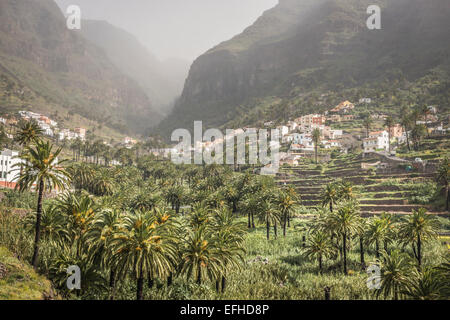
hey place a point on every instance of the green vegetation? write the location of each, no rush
(18, 281)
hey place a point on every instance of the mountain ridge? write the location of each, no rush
(329, 47)
(61, 67)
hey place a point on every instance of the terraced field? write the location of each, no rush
(377, 191)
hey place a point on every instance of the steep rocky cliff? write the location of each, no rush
(306, 45)
(38, 53)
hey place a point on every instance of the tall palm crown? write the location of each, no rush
(29, 132)
(41, 165)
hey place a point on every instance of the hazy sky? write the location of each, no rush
(176, 28)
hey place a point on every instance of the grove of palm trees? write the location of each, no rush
(153, 230)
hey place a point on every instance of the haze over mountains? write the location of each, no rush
(106, 74)
(49, 66)
(163, 81)
(305, 45)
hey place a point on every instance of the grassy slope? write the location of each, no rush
(21, 281)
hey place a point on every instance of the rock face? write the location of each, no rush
(309, 44)
(40, 53)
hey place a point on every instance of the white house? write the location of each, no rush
(284, 130)
(378, 140)
(3, 120)
(8, 173)
(302, 138)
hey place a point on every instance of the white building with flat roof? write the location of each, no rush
(8, 172)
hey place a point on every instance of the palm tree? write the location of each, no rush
(330, 195)
(144, 246)
(98, 239)
(79, 211)
(318, 246)
(379, 232)
(346, 223)
(367, 123)
(53, 225)
(426, 284)
(201, 258)
(389, 123)
(346, 190)
(269, 215)
(417, 229)
(406, 122)
(316, 134)
(395, 274)
(41, 168)
(29, 132)
(103, 183)
(286, 207)
(361, 233)
(443, 178)
(228, 237)
(250, 205)
(417, 133)
(175, 196)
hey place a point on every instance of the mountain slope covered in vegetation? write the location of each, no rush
(303, 46)
(45, 64)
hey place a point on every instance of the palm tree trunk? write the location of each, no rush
(37, 236)
(361, 251)
(170, 279)
(407, 139)
(377, 248)
(327, 293)
(199, 275)
(249, 220)
(112, 284)
(217, 286)
(315, 152)
(275, 230)
(253, 221)
(419, 250)
(150, 281)
(344, 247)
(268, 230)
(284, 224)
(140, 284)
(223, 283)
(320, 264)
(448, 197)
